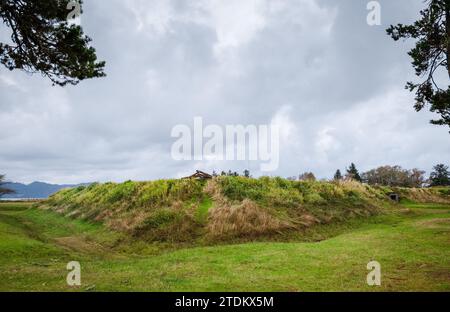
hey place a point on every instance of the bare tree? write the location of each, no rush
(307, 176)
(394, 176)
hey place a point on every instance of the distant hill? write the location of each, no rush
(35, 189)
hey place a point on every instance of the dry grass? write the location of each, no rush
(424, 195)
(236, 219)
(431, 195)
(243, 219)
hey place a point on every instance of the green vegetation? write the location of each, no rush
(440, 176)
(163, 209)
(203, 209)
(225, 208)
(228, 208)
(230, 233)
(411, 243)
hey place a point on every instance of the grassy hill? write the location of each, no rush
(411, 243)
(227, 208)
(228, 234)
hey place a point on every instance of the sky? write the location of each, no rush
(333, 84)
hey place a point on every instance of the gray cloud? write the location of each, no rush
(334, 83)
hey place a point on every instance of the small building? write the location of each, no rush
(199, 175)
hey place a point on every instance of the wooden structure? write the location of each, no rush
(200, 175)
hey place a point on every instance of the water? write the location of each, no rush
(21, 199)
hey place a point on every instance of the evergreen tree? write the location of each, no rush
(43, 41)
(338, 175)
(431, 53)
(440, 175)
(353, 173)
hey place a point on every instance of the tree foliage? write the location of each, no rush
(43, 41)
(440, 176)
(431, 52)
(353, 173)
(4, 190)
(307, 176)
(338, 175)
(394, 176)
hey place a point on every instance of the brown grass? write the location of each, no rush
(424, 195)
(243, 219)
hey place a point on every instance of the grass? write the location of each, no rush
(411, 243)
(227, 208)
(203, 209)
(154, 209)
(222, 209)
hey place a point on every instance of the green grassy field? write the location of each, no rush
(412, 243)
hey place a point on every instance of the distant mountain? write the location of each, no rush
(35, 190)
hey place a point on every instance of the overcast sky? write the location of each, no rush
(334, 84)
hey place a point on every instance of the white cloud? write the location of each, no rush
(285, 125)
(151, 16)
(8, 81)
(235, 22)
(332, 84)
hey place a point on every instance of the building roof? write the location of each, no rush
(199, 175)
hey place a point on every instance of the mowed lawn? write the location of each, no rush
(411, 244)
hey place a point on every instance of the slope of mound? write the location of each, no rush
(163, 209)
(222, 208)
